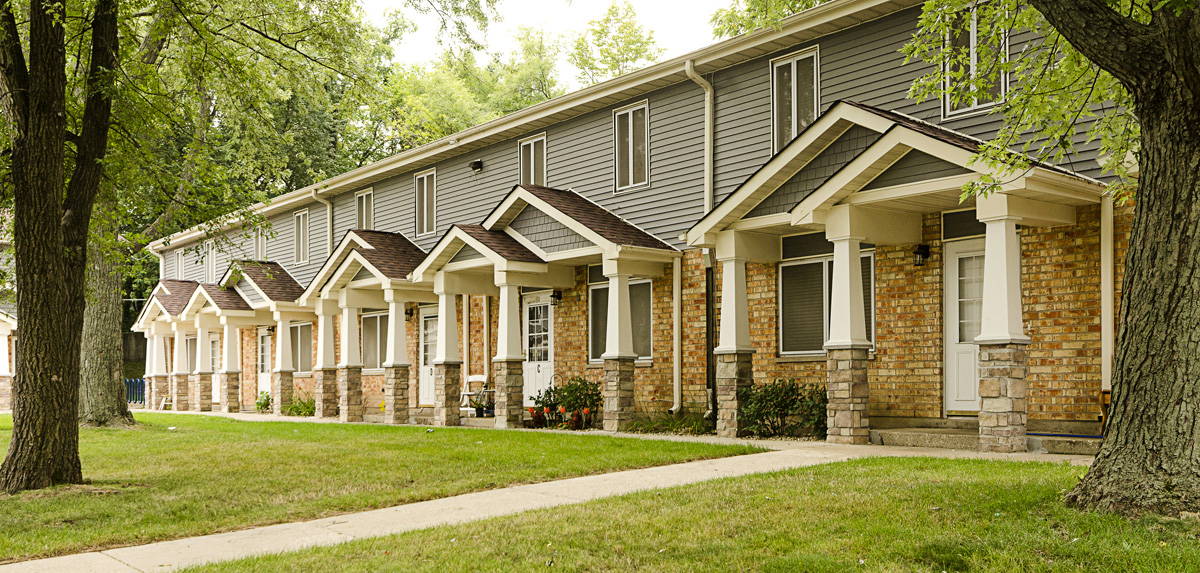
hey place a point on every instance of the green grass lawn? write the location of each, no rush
(212, 474)
(906, 514)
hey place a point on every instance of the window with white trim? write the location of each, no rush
(426, 201)
(191, 353)
(795, 94)
(533, 161)
(364, 210)
(632, 129)
(302, 351)
(640, 296)
(805, 288)
(300, 238)
(965, 37)
(374, 340)
(214, 353)
(180, 260)
(210, 261)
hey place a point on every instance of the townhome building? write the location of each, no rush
(770, 206)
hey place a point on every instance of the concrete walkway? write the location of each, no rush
(170, 555)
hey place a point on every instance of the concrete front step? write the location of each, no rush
(960, 439)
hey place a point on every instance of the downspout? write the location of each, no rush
(689, 68)
(328, 220)
(162, 262)
(676, 374)
(1107, 331)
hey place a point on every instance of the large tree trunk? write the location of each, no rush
(102, 400)
(1150, 459)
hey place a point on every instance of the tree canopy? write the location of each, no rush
(613, 45)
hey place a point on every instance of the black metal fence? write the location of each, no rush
(135, 390)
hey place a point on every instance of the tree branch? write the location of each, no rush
(1122, 46)
(14, 76)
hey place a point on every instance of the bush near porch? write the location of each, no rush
(871, 515)
(180, 475)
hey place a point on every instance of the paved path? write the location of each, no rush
(169, 555)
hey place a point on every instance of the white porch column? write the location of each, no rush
(846, 350)
(508, 333)
(179, 358)
(447, 342)
(619, 339)
(203, 352)
(351, 354)
(180, 378)
(1001, 313)
(231, 349)
(6, 366)
(735, 308)
(397, 334)
(283, 346)
(847, 321)
(158, 367)
(325, 339)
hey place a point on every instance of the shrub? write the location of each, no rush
(783, 407)
(578, 394)
(304, 406)
(263, 404)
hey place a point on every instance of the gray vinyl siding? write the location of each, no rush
(466, 253)
(915, 166)
(820, 169)
(249, 292)
(863, 64)
(546, 232)
(363, 273)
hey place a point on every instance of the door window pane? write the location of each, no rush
(428, 339)
(537, 333)
(970, 297)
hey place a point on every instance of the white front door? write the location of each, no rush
(538, 337)
(429, 328)
(214, 354)
(964, 306)
(264, 363)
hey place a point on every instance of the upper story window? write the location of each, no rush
(426, 191)
(633, 147)
(966, 39)
(210, 262)
(364, 209)
(805, 291)
(180, 260)
(533, 161)
(300, 236)
(795, 86)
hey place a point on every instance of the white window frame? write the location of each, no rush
(380, 333)
(618, 114)
(975, 108)
(214, 352)
(824, 260)
(604, 286)
(210, 261)
(260, 245)
(364, 220)
(530, 143)
(180, 261)
(430, 195)
(295, 326)
(790, 60)
(191, 350)
(300, 239)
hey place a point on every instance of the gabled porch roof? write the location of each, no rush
(904, 164)
(217, 300)
(387, 259)
(168, 299)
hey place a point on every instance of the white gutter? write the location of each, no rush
(1107, 331)
(676, 374)
(328, 221)
(689, 68)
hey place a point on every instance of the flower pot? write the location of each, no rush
(478, 412)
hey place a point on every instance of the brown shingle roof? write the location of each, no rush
(600, 220)
(225, 298)
(177, 295)
(393, 254)
(272, 280)
(501, 243)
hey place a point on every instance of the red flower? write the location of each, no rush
(546, 409)
(585, 411)
(531, 411)
(562, 409)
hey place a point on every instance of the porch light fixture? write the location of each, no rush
(408, 312)
(555, 298)
(476, 165)
(922, 254)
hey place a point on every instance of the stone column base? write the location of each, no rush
(325, 392)
(201, 398)
(618, 393)
(395, 395)
(6, 393)
(350, 408)
(848, 391)
(281, 391)
(1004, 392)
(508, 377)
(447, 388)
(156, 389)
(229, 386)
(179, 392)
(735, 374)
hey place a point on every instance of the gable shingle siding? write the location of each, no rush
(547, 233)
(820, 169)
